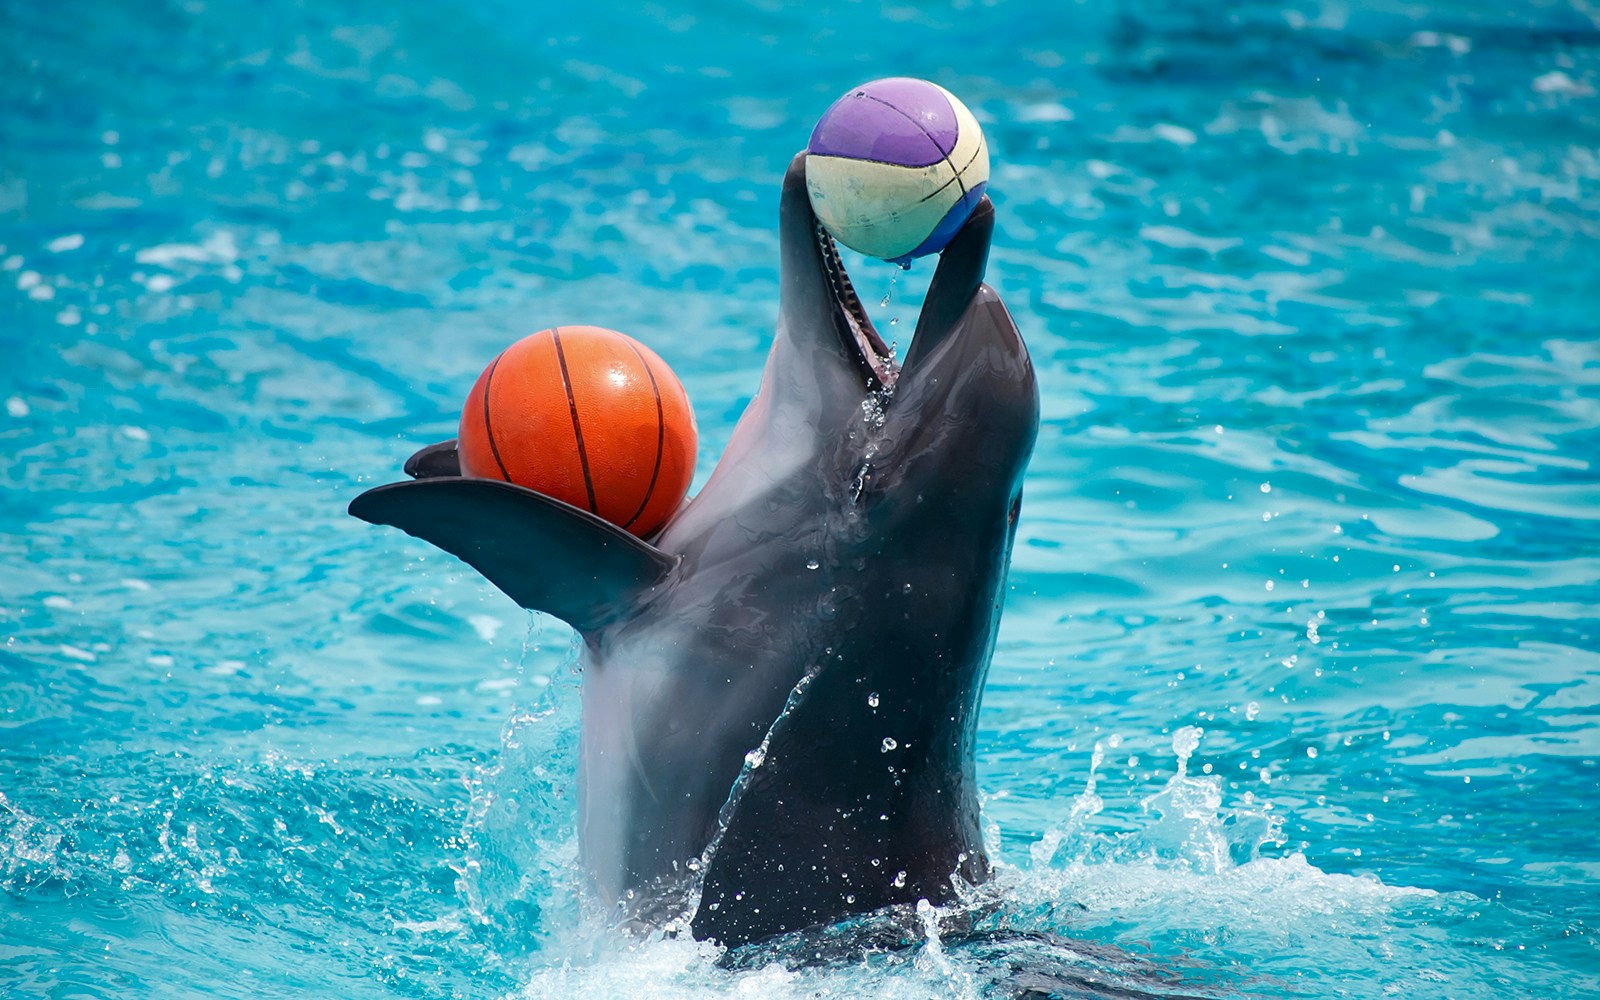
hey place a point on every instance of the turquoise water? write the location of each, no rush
(1298, 684)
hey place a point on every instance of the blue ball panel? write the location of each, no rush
(948, 226)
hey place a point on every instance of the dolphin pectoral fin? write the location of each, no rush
(435, 460)
(544, 554)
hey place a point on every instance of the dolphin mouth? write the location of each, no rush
(850, 316)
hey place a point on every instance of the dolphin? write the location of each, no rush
(780, 688)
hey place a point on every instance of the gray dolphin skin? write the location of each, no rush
(781, 688)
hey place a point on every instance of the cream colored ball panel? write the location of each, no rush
(970, 156)
(879, 209)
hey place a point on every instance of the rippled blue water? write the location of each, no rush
(1312, 290)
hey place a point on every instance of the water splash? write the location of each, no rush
(673, 917)
(520, 844)
(1087, 804)
(1189, 826)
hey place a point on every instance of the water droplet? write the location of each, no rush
(1252, 710)
(1311, 752)
(872, 699)
(889, 744)
(900, 880)
(1266, 487)
(1186, 741)
(812, 564)
(1269, 584)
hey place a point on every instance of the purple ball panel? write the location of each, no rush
(899, 120)
(948, 226)
(921, 101)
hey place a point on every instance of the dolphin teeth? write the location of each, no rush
(878, 355)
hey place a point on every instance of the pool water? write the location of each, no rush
(1298, 686)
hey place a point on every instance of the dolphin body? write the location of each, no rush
(781, 688)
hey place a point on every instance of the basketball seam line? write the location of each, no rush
(488, 427)
(918, 126)
(577, 431)
(661, 437)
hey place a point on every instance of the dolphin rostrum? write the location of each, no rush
(780, 689)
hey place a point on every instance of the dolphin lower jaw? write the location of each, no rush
(854, 327)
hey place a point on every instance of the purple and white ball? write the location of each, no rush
(894, 168)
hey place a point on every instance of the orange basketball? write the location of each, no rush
(588, 416)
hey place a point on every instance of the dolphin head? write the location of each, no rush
(833, 391)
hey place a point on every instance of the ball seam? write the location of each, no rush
(577, 429)
(661, 438)
(946, 156)
(488, 425)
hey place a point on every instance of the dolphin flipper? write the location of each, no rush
(435, 460)
(544, 554)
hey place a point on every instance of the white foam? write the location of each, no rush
(487, 626)
(219, 248)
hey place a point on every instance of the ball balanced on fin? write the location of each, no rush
(588, 416)
(895, 168)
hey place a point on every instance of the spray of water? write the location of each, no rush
(518, 876)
